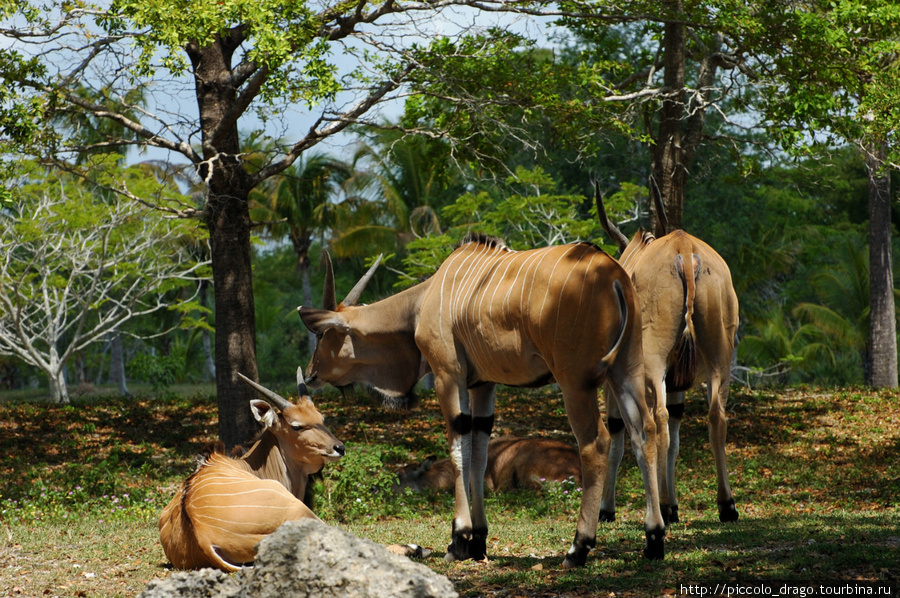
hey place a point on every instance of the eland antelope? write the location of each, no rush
(511, 463)
(227, 506)
(689, 309)
(491, 315)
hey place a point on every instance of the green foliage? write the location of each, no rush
(505, 90)
(835, 71)
(359, 485)
(525, 214)
(160, 371)
(283, 37)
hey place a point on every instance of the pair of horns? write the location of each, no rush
(328, 298)
(662, 222)
(278, 401)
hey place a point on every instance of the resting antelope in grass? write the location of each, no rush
(492, 315)
(511, 463)
(689, 309)
(228, 505)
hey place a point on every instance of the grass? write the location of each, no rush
(815, 474)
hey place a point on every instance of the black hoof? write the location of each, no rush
(727, 511)
(468, 544)
(655, 550)
(478, 545)
(669, 514)
(577, 555)
(607, 516)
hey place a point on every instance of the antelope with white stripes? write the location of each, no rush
(690, 317)
(511, 463)
(491, 315)
(227, 506)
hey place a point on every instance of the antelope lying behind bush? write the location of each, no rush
(512, 463)
(228, 505)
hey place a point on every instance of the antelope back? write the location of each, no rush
(523, 317)
(512, 463)
(221, 513)
(429, 474)
(529, 462)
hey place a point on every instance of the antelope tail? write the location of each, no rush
(610, 357)
(684, 359)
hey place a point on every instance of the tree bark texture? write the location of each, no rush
(117, 363)
(681, 120)
(228, 218)
(883, 334)
(668, 173)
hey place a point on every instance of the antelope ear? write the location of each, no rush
(320, 320)
(263, 412)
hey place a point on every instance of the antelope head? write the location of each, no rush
(298, 427)
(372, 345)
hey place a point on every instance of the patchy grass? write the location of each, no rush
(815, 474)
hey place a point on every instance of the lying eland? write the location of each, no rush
(491, 315)
(689, 309)
(511, 463)
(227, 506)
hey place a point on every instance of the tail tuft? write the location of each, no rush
(684, 367)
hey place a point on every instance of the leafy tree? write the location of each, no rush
(221, 62)
(400, 185)
(780, 348)
(295, 204)
(74, 269)
(528, 213)
(835, 68)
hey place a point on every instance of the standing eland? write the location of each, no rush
(689, 309)
(227, 506)
(490, 315)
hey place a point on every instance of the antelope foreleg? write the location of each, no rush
(482, 402)
(454, 401)
(669, 499)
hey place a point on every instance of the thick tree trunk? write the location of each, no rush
(883, 336)
(59, 391)
(235, 343)
(668, 173)
(228, 219)
(681, 121)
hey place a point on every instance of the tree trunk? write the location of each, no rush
(883, 336)
(59, 391)
(681, 121)
(228, 219)
(668, 173)
(117, 364)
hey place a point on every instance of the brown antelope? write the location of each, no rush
(511, 463)
(227, 505)
(689, 309)
(522, 318)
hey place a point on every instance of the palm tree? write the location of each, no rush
(398, 197)
(299, 204)
(842, 312)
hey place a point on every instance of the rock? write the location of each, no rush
(308, 558)
(205, 583)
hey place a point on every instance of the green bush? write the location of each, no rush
(360, 486)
